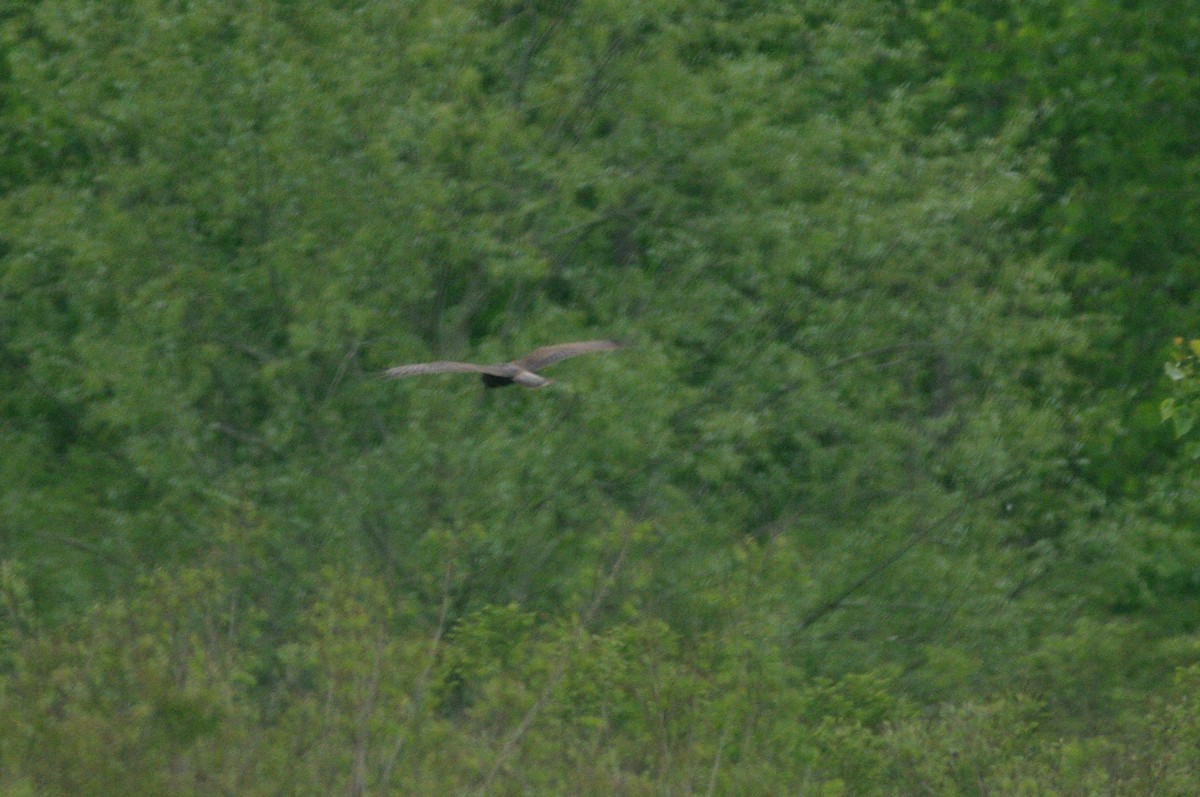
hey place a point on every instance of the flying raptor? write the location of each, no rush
(522, 372)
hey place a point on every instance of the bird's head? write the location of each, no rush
(530, 379)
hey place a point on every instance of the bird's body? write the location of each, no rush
(521, 372)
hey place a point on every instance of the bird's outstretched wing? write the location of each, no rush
(448, 367)
(548, 355)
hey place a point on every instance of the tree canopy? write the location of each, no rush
(878, 500)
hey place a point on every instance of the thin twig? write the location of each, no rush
(838, 600)
(340, 374)
(716, 765)
(86, 547)
(421, 688)
(912, 344)
(606, 581)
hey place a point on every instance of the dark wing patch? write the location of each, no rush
(448, 367)
(548, 355)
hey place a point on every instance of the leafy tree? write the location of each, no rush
(863, 508)
(1180, 407)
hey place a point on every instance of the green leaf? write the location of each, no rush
(1184, 421)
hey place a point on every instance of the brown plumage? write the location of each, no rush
(522, 372)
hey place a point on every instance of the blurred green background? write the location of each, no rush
(878, 501)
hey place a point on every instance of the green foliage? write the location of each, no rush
(1180, 408)
(877, 501)
(134, 692)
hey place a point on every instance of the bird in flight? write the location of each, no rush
(522, 372)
